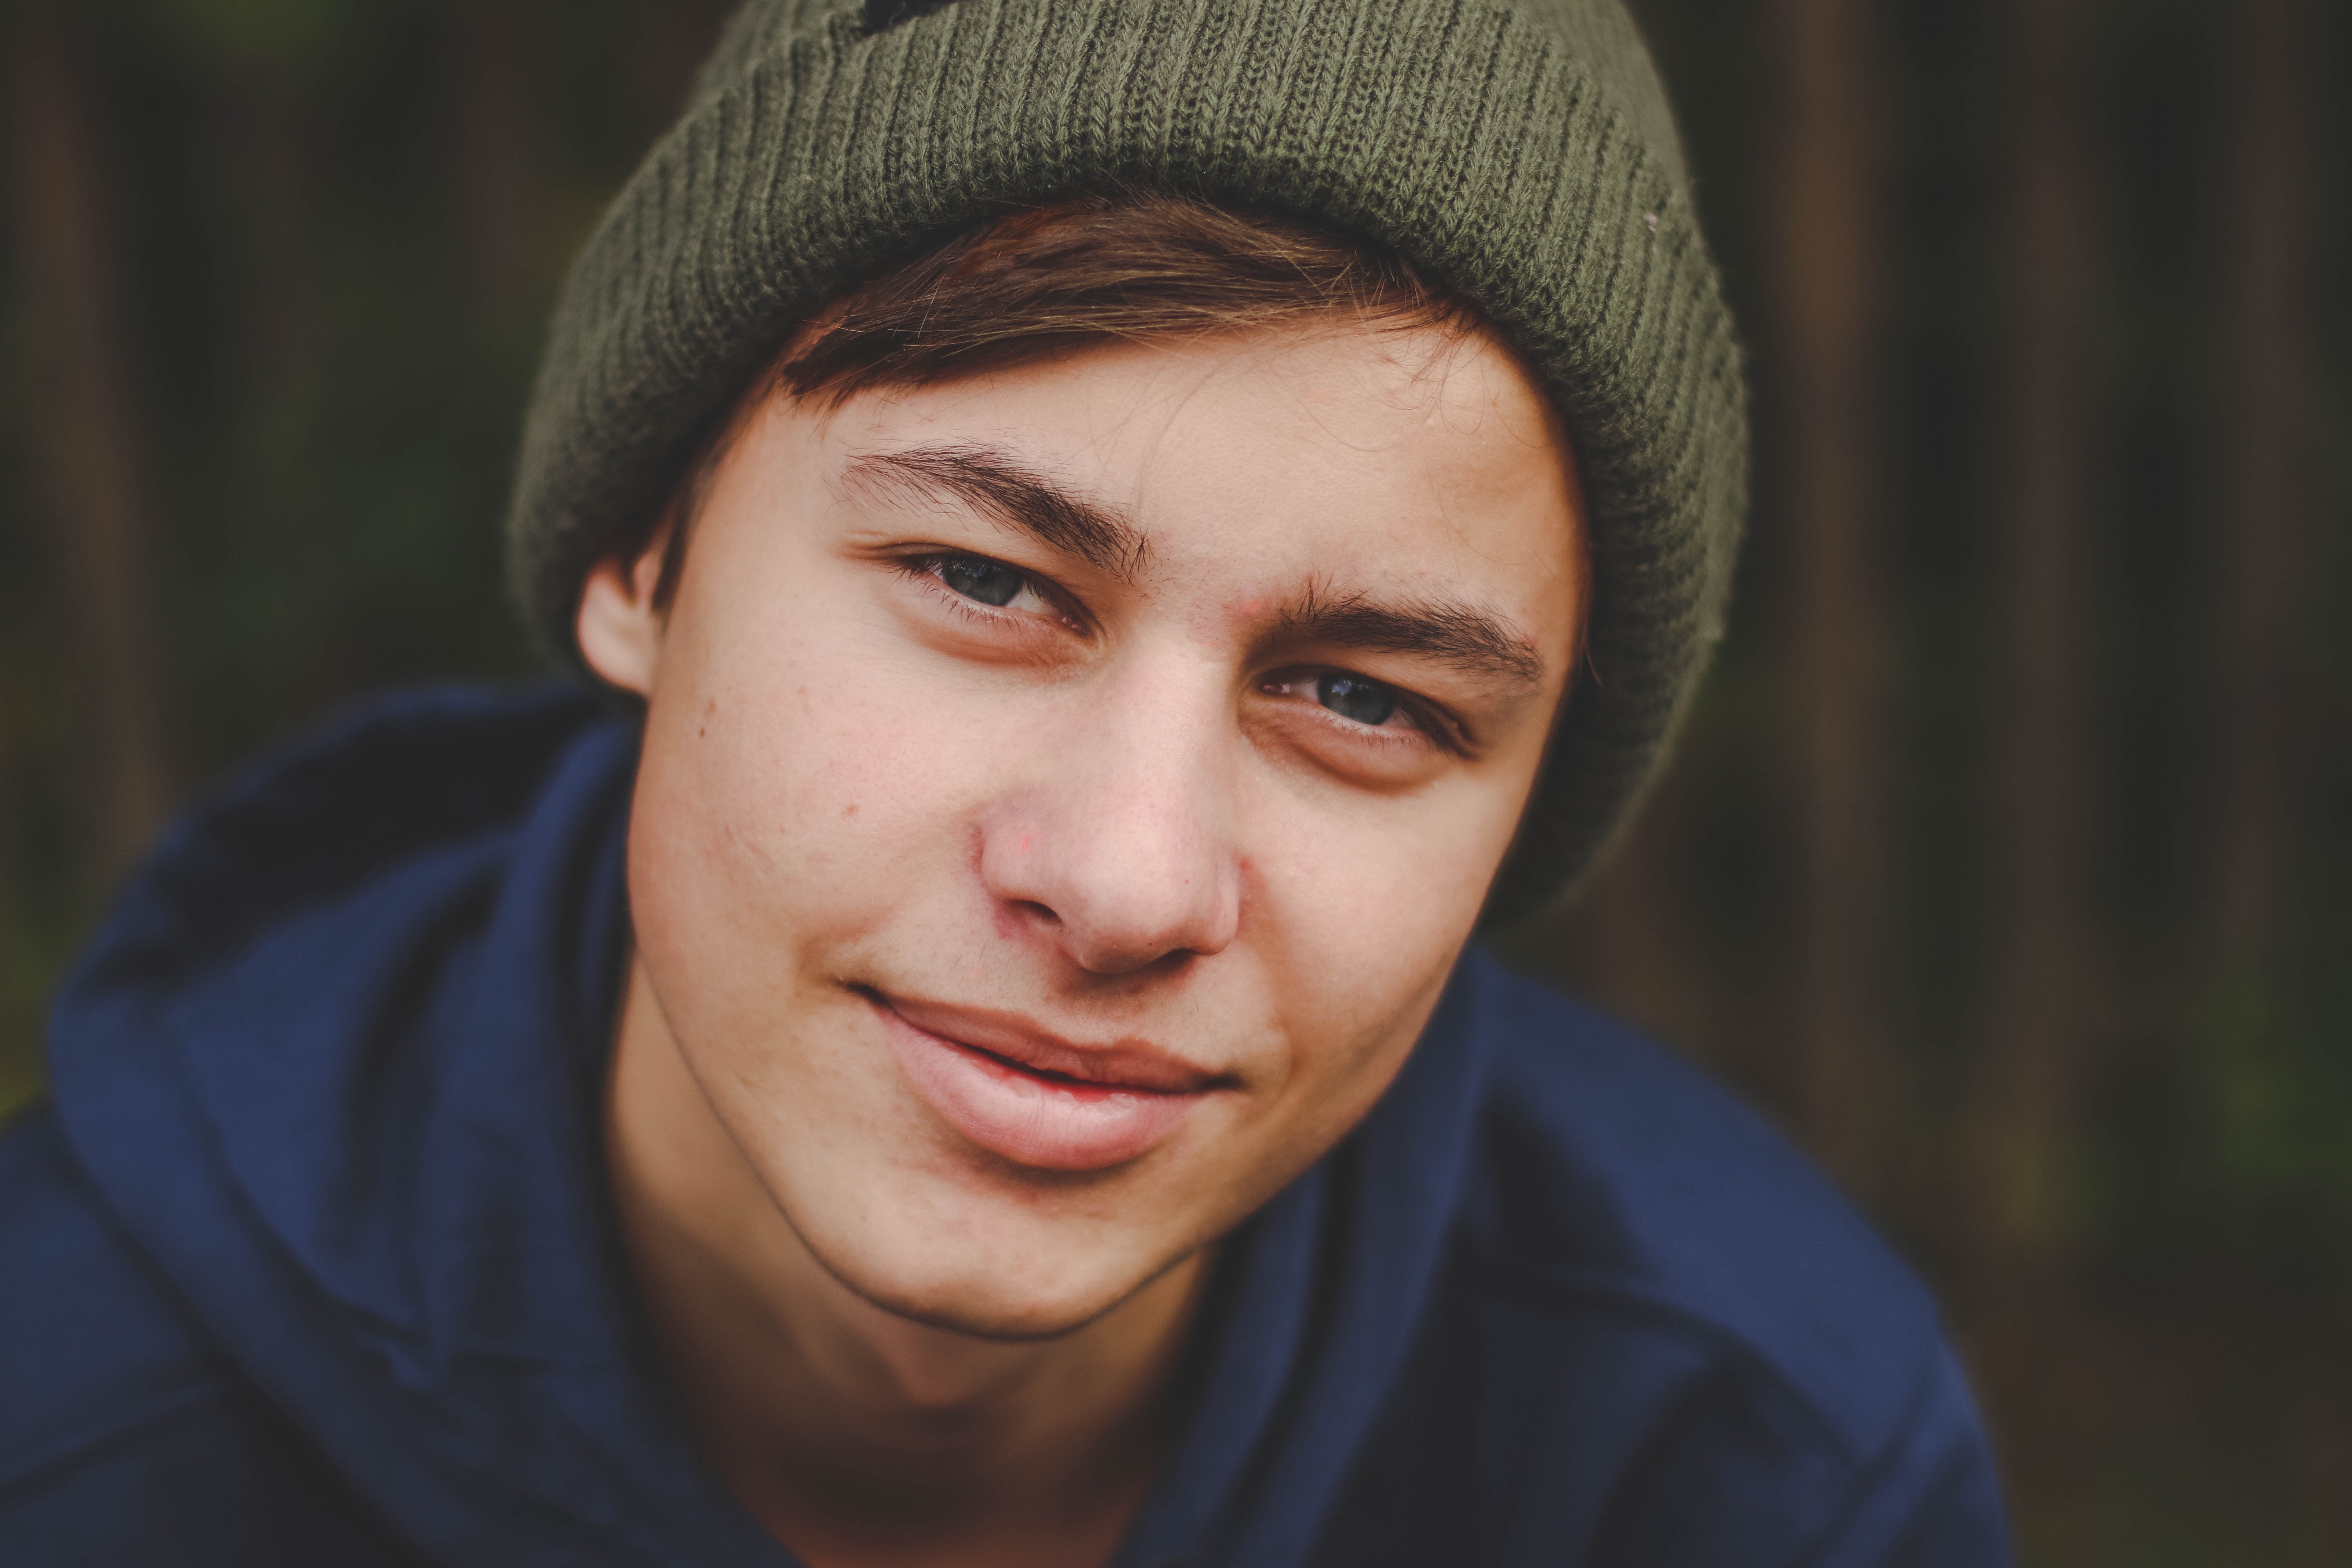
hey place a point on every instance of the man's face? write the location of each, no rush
(1066, 790)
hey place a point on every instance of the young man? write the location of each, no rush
(1125, 528)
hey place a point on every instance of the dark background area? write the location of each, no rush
(2009, 862)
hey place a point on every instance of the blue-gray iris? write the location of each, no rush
(1353, 697)
(989, 582)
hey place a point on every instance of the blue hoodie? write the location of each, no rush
(310, 1257)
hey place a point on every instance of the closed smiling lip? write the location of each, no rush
(1034, 1098)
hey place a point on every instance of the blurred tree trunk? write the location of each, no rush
(1824, 216)
(2032, 1054)
(2263, 428)
(1635, 941)
(497, 187)
(89, 453)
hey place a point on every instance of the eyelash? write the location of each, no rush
(924, 568)
(1429, 726)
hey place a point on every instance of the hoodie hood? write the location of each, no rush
(335, 1067)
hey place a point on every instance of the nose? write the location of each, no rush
(1121, 847)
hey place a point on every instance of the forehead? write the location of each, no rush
(1418, 456)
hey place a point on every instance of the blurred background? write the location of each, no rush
(2013, 839)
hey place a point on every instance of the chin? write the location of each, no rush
(1009, 1322)
(987, 1310)
(987, 1300)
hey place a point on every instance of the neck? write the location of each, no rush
(857, 1435)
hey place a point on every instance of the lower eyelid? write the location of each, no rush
(925, 569)
(1420, 728)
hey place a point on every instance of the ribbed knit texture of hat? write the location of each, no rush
(1519, 151)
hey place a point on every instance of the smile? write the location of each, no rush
(1034, 1098)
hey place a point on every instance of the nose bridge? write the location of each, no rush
(1127, 840)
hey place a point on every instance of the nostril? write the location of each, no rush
(1129, 964)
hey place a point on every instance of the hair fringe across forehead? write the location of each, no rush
(1147, 265)
(1039, 280)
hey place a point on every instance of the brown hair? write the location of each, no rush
(1037, 281)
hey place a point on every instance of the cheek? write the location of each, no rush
(760, 803)
(1367, 911)
(806, 774)
(1370, 883)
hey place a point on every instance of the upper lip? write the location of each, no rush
(1126, 1063)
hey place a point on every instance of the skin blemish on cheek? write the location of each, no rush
(704, 728)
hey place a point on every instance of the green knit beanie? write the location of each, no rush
(1519, 151)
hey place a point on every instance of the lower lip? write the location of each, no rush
(1046, 1123)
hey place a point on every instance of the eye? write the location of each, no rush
(1368, 715)
(989, 582)
(1353, 697)
(976, 580)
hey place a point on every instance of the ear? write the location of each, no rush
(619, 626)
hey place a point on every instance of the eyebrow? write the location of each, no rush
(991, 482)
(1452, 633)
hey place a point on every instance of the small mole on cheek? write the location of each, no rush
(704, 728)
(849, 810)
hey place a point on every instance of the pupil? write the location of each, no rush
(1353, 697)
(989, 582)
